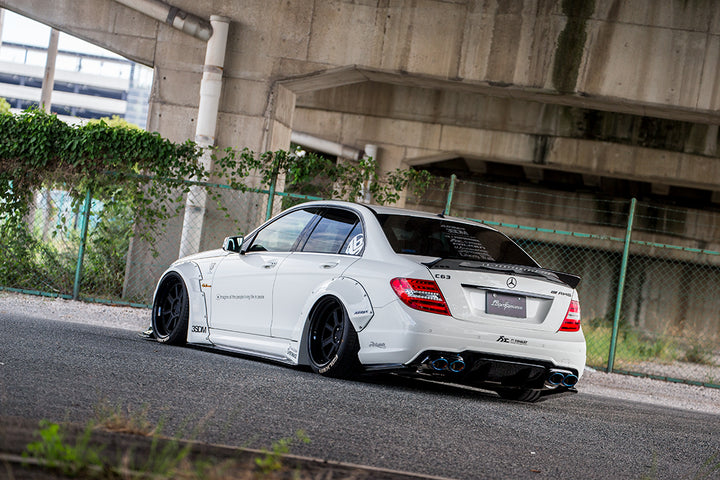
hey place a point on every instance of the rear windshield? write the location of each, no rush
(431, 237)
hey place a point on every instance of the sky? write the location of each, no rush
(19, 29)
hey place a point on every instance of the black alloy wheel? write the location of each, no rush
(171, 310)
(332, 340)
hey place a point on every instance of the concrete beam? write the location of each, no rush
(358, 77)
(593, 159)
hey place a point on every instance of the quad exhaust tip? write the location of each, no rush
(558, 378)
(453, 363)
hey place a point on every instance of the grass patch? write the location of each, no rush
(68, 451)
(56, 453)
(634, 346)
(631, 347)
(700, 354)
(271, 461)
(115, 418)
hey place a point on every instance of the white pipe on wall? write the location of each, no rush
(211, 84)
(210, 90)
(325, 146)
(372, 152)
(173, 16)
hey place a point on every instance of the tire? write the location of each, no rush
(528, 395)
(332, 343)
(171, 310)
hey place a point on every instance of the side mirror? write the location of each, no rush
(233, 244)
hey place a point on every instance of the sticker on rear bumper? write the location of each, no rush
(513, 341)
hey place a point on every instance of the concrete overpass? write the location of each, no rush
(609, 97)
(538, 83)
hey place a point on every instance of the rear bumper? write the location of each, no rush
(501, 354)
(480, 369)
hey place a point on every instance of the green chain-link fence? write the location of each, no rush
(650, 294)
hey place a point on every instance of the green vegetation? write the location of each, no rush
(115, 418)
(119, 163)
(271, 461)
(4, 106)
(698, 353)
(635, 347)
(83, 456)
(138, 181)
(38, 151)
(53, 452)
(632, 347)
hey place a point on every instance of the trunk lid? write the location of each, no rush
(494, 293)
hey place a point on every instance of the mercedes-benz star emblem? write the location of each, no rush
(511, 282)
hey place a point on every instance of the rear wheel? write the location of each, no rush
(520, 394)
(332, 341)
(170, 310)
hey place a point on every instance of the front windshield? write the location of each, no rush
(447, 239)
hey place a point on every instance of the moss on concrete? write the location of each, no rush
(571, 43)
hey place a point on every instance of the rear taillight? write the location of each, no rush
(419, 294)
(572, 318)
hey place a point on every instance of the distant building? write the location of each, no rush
(86, 85)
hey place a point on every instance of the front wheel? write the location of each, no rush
(332, 341)
(170, 310)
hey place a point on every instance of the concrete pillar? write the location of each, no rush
(49, 76)
(2, 21)
(46, 103)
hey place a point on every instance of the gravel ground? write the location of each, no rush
(656, 392)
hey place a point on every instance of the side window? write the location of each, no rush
(333, 232)
(281, 235)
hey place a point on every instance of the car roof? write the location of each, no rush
(385, 210)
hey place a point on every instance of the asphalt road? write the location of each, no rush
(62, 371)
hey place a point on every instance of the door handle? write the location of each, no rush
(329, 265)
(270, 264)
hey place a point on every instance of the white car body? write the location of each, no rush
(261, 303)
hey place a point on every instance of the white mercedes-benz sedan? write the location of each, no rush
(348, 289)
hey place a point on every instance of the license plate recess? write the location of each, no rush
(507, 305)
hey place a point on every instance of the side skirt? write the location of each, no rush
(276, 349)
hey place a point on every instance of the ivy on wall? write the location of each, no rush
(38, 150)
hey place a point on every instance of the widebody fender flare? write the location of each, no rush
(198, 312)
(353, 297)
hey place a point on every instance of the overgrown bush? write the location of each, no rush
(133, 174)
